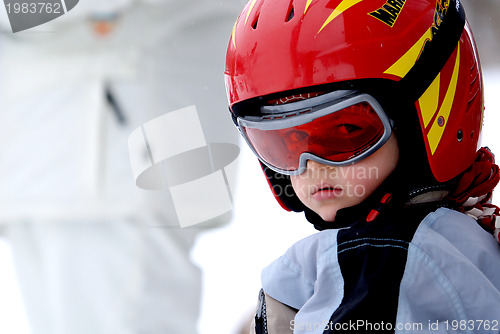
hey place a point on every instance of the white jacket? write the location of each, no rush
(63, 152)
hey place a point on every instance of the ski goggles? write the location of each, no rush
(336, 129)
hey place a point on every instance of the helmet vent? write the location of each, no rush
(291, 12)
(256, 20)
(474, 87)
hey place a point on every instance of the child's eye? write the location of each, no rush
(348, 128)
(297, 136)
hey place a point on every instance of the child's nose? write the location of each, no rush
(315, 166)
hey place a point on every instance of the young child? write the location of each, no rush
(366, 116)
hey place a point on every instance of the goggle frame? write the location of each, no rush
(293, 114)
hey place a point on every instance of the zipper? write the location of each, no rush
(261, 316)
(114, 105)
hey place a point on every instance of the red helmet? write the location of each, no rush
(417, 56)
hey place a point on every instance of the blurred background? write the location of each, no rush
(89, 252)
(82, 250)
(484, 18)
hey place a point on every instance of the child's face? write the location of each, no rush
(327, 189)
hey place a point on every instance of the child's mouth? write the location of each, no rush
(323, 192)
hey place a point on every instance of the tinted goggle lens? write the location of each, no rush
(342, 134)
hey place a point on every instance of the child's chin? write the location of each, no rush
(328, 215)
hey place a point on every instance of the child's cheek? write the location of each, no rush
(363, 186)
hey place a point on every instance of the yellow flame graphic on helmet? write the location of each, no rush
(250, 10)
(308, 3)
(403, 65)
(233, 33)
(342, 7)
(233, 39)
(429, 102)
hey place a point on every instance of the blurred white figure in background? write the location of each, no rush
(93, 253)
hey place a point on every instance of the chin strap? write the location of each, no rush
(474, 192)
(375, 212)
